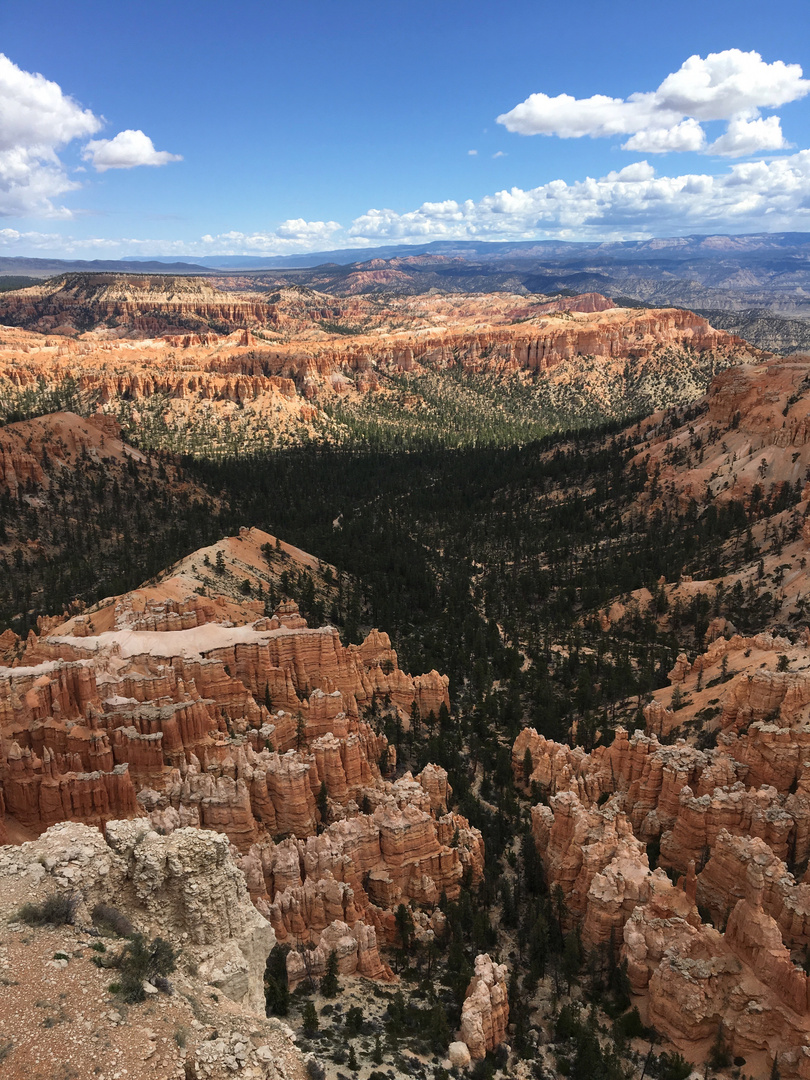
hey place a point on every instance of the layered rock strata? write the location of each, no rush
(726, 840)
(134, 355)
(190, 712)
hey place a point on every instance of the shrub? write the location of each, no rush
(140, 961)
(111, 921)
(160, 982)
(57, 909)
(315, 1071)
(673, 1067)
(631, 1026)
(354, 1020)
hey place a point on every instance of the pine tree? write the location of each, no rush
(404, 923)
(528, 766)
(719, 1054)
(572, 958)
(300, 731)
(416, 719)
(322, 803)
(329, 983)
(309, 1019)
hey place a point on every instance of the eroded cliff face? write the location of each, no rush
(121, 340)
(751, 429)
(185, 888)
(714, 793)
(195, 715)
(731, 823)
(485, 1013)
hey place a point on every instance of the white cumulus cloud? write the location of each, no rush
(630, 203)
(625, 204)
(299, 229)
(36, 115)
(37, 121)
(744, 136)
(126, 151)
(688, 135)
(732, 85)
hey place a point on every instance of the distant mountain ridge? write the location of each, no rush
(708, 246)
(22, 264)
(696, 245)
(766, 273)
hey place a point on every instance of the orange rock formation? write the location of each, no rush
(153, 705)
(134, 352)
(485, 1012)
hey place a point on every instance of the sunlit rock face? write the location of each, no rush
(179, 710)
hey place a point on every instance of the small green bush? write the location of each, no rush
(58, 909)
(316, 1071)
(140, 961)
(674, 1067)
(353, 1024)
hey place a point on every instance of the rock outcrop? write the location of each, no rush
(185, 887)
(129, 340)
(187, 712)
(728, 842)
(485, 1012)
(697, 979)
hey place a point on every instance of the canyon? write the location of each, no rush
(683, 845)
(185, 365)
(183, 712)
(232, 751)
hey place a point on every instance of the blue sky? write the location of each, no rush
(267, 128)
